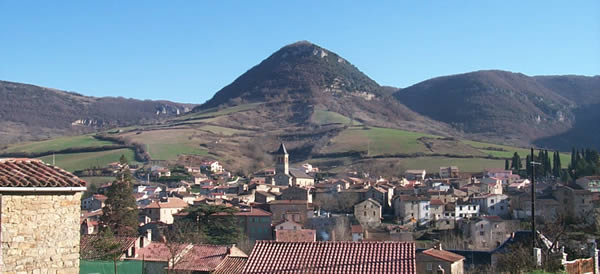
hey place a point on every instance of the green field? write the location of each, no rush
(57, 144)
(79, 161)
(565, 158)
(377, 141)
(168, 144)
(322, 117)
(433, 164)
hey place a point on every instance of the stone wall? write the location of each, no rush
(40, 232)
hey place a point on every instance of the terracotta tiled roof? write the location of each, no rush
(253, 212)
(231, 265)
(436, 202)
(332, 257)
(202, 258)
(88, 251)
(444, 255)
(100, 197)
(157, 252)
(300, 235)
(172, 202)
(34, 173)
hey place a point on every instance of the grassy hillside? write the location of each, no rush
(168, 144)
(79, 161)
(57, 144)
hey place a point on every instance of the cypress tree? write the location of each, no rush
(558, 165)
(516, 162)
(506, 165)
(120, 210)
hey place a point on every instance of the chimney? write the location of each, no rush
(147, 239)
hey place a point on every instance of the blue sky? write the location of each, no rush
(187, 50)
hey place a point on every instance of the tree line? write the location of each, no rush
(584, 162)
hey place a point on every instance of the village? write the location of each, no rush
(457, 222)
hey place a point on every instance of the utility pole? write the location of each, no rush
(533, 231)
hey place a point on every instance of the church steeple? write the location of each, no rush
(282, 160)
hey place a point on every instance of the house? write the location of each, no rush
(358, 233)
(89, 226)
(162, 210)
(519, 185)
(341, 257)
(264, 196)
(491, 185)
(415, 174)
(40, 208)
(493, 204)
(158, 171)
(545, 208)
(591, 183)
(295, 210)
(466, 209)
(381, 195)
(488, 232)
(93, 202)
(127, 247)
(437, 260)
(449, 172)
(368, 213)
(300, 235)
(574, 201)
(412, 209)
(255, 222)
(505, 176)
(212, 259)
(212, 166)
(296, 193)
(190, 258)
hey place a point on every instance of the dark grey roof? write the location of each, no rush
(282, 149)
(299, 173)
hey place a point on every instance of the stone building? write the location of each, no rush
(368, 212)
(39, 217)
(437, 260)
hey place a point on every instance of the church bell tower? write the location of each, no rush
(282, 165)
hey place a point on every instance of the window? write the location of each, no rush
(492, 207)
(365, 213)
(481, 233)
(412, 215)
(501, 207)
(492, 201)
(447, 222)
(460, 208)
(429, 266)
(481, 226)
(374, 213)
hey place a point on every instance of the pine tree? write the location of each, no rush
(120, 210)
(506, 165)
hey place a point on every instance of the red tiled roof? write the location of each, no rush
(300, 235)
(444, 255)
(231, 265)
(332, 257)
(88, 251)
(25, 172)
(202, 258)
(253, 212)
(172, 202)
(158, 252)
(357, 229)
(436, 202)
